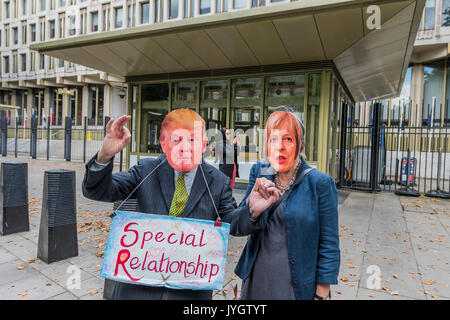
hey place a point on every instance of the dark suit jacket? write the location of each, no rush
(155, 196)
(312, 231)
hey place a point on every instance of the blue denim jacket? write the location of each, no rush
(312, 231)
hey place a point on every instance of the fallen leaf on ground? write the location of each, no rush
(394, 293)
(384, 288)
(21, 267)
(345, 279)
(351, 266)
(428, 283)
(395, 276)
(93, 292)
(23, 293)
(31, 260)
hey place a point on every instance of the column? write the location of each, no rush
(417, 81)
(47, 98)
(29, 106)
(107, 91)
(85, 102)
(65, 105)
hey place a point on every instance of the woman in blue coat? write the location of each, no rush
(294, 251)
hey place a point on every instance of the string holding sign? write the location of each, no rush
(218, 222)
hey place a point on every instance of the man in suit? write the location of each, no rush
(178, 187)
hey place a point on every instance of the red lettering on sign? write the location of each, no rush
(144, 238)
(201, 239)
(158, 237)
(122, 243)
(170, 236)
(213, 273)
(123, 257)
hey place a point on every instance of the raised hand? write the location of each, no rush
(263, 195)
(117, 137)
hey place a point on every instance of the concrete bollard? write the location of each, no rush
(14, 198)
(58, 238)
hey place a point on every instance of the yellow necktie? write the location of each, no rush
(180, 197)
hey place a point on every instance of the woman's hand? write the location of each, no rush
(262, 196)
(236, 140)
(117, 137)
(322, 289)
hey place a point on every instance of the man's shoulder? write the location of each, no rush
(213, 171)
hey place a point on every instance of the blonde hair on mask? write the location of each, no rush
(179, 117)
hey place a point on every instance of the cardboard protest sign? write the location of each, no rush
(158, 250)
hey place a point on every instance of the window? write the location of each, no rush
(52, 4)
(72, 30)
(433, 87)
(245, 115)
(52, 29)
(23, 60)
(94, 18)
(173, 9)
(205, 6)
(261, 3)
(118, 15)
(95, 106)
(145, 11)
(6, 64)
(155, 104)
(43, 5)
(41, 61)
(239, 4)
(15, 35)
(7, 10)
(184, 95)
(61, 63)
(62, 3)
(213, 103)
(33, 32)
(24, 34)
(24, 7)
(75, 105)
(33, 6)
(429, 15)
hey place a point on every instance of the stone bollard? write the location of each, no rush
(14, 198)
(58, 229)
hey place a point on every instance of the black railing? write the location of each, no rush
(41, 142)
(375, 149)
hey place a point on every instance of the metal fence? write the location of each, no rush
(389, 151)
(62, 143)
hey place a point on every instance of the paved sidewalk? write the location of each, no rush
(391, 247)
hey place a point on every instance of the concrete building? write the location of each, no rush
(50, 88)
(234, 62)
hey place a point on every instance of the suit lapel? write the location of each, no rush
(166, 177)
(198, 188)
